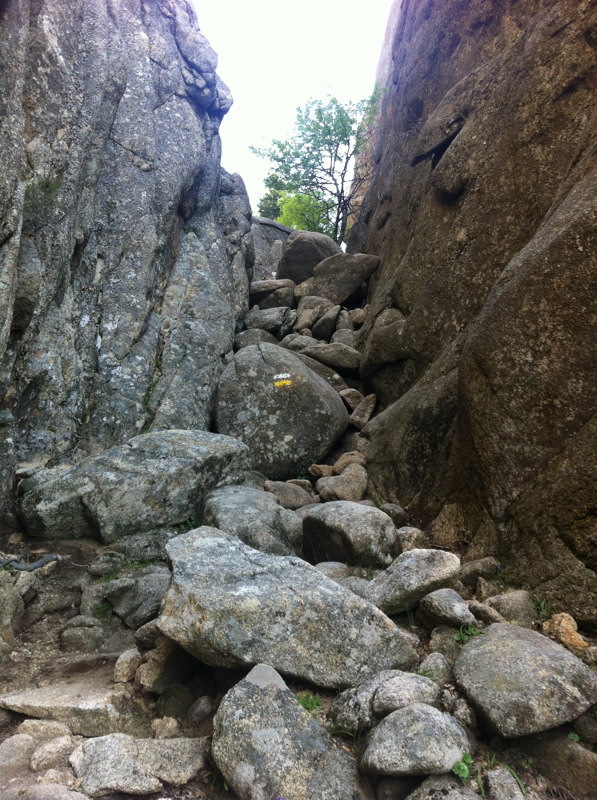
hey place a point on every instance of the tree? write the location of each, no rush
(313, 177)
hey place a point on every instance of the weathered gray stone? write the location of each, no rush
(516, 606)
(326, 324)
(344, 336)
(125, 247)
(266, 745)
(136, 597)
(502, 785)
(480, 568)
(81, 634)
(437, 667)
(363, 412)
(40, 791)
(272, 293)
(412, 538)
(269, 238)
(522, 682)
(413, 575)
(119, 763)
(350, 485)
(255, 517)
(230, 605)
(296, 342)
(404, 689)
(414, 740)
(445, 607)
(253, 336)
(156, 478)
(566, 764)
(328, 374)
(444, 787)
(12, 609)
(277, 321)
(345, 531)
(288, 494)
(303, 250)
(339, 276)
(52, 754)
(336, 355)
(264, 397)
(352, 709)
(15, 754)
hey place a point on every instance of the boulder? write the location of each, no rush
(414, 740)
(120, 763)
(255, 517)
(345, 531)
(339, 276)
(404, 689)
(266, 745)
(271, 293)
(264, 397)
(289, 494)
(445, 607)
(336, 355)
(521, 682)
(328, 374)
(349, 485)
(412, 575)
(446, 787)
(326, 324)
(154, 479)
(303, 250)
(230, 605)
(253, 336)
(136, 597)
(277, 321)
(515, 606)
(352, 709)
(268, 238)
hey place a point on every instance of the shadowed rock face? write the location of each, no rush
(124, 247)
(478, 340)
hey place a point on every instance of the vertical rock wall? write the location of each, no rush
(480, 338)
(124, 247)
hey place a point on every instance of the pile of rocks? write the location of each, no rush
(230, 572)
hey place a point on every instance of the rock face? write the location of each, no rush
(478, 337)
(158, 478)
(230, 605)
(124, 247)
(265, 396)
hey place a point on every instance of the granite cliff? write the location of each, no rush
(124, 247)
(478, 338)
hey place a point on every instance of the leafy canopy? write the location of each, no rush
(312, 184)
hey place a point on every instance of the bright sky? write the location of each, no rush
(275, 56)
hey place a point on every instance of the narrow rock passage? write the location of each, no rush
(235, 579)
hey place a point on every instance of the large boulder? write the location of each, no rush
(256, 517)
(338, 276)
(302, 252)
(155, 479)
(345, 531)
(231, 606)
(266, 745)
(269, 238)
(521, 682)
(265, 396)
(479, 334)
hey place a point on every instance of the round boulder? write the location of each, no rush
(302, 252)
(288, 416)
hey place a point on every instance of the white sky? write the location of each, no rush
(276, 55)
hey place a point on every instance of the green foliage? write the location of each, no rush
(574, 737)
(462, 768)
(520, 784)
(309, 701)
(465, 633)
(187, 525)
(40, 202)
(542, 607)
(128, 565)
(317, 162)
(103, 610)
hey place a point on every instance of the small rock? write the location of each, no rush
(501, 785)
(345, 336)
(352, 398)
(288, 494)
(363, 412)
(328, 374)
(52, 754)
(415, 740)
(106, 563)
(522, 682)
(395, 788)
(335, 570)
(484, 613)
(326, 324)
(175, 701)
(442, 641)
(445, 787)
(127, 665)
(346, 459)
(411, 576)
(266, 745)
(15, 755)
(165, 728)
(586, 726)
(445, 607)
(350, 485)
(567, 764)
(515, 606)
(200, 710)
(43, 730)
(352, 709)
(402, 690)
(357, 316)
(164, 665)
(437, 667)
(563, 628)
(253, 336)
(481, 568)
(277, 321)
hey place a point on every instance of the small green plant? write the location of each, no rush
(425, 673)
(304, 474)
(465, 633)
(521, 785)
(333, 731)
(103, 610)
(410, 618)
(542, 607)
(574, 737)
(41, 198)
(528, 762)
(187, 525)
(594, 711)
(309, 701)
(462, 768)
